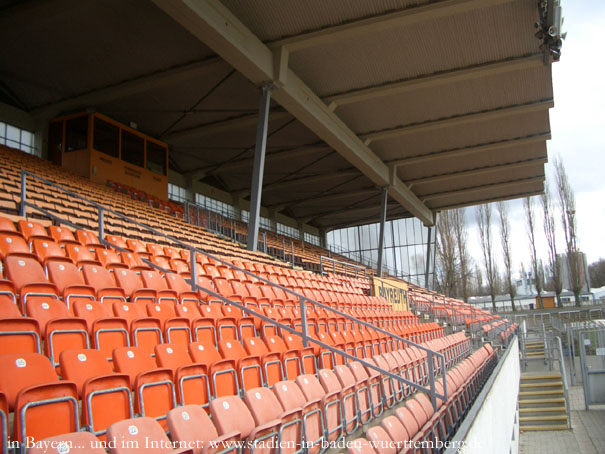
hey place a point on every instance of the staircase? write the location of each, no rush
(535, 350)
(542, 403)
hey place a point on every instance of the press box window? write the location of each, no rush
(133, 149)
(156, 158)
(76, 134)
(106, 138)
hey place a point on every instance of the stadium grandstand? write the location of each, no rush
(170, 171)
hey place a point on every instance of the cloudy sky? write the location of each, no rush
(578, 134)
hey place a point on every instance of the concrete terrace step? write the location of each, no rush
(540, 393)
(536, 428)
(542, 401)
(543, 418)
(542, 410)
(554, 384)
(540, 377)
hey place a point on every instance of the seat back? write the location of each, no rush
(137, 436)
(131, 361)
(172, 356)
(230, 414)
(81, 365)
(74, 443)
(191, 424)
(22, 370)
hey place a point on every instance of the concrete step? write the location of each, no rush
(542, 418)
(535, 428)
(529, 411)
(542, 402)
(546, 384)
(552, 392)
(540, 377)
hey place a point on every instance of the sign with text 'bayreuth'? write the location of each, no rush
(395, 292)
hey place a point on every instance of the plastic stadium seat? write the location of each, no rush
(266, 409)
(62, 235)
(105, 395)
(230, 414)
(132, 284)
(290, 358)
(408, 421)
(155, 281)
(396, 431)
(139, 436)
(109, 258)
(273, 368)
(103, 282)
(134, 262)
(329, 403)
(291, 399)
(13, 243)
(249, 367)
(178, 284)
(176, 329)
(191, 380)
(6, 225)
(362, 390)
(222, 372)
(74, 443)
(69, 282)
(87, 238)
(153, 386)
(372, 381)
(347, 395)
(43, 405)
(116, 241)
(145, 332)
(307, 356)
(191, 425)
(31, 229)
(105, 330)
(59, 330)
(46, 249)
(80, 255)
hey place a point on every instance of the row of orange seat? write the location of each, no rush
(417, 426)
(201, 375)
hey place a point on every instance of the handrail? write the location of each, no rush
(431, 354)
(334, 261)
(564, 376)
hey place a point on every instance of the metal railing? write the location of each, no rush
(556, 353)
(346, 265)
(433, 358)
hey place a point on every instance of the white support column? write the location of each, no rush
(259, 168)
(383, 217)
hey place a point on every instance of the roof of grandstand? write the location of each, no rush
(445, 103)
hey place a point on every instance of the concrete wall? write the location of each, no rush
(495, 427)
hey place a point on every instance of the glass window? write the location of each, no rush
(133, 149)
(313, 239)
(106, 138)
(14, 137)
(76, 134)
(156, 158)
(177, 193)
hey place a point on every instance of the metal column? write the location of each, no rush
(428, 258)
(383, 217)
(259, 168)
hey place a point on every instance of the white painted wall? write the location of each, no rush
(495, 429)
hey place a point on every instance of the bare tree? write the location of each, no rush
(528, 204)
(484, 223)
(446, 255)
(553, 265)
(506, 251)
(567, 202)
(596, 271)
(464, 274)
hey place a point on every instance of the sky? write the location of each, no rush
(578, 136)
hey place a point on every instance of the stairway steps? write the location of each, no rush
(540, 393)
(540, 377)
(541, 428)
(541, 401)
(556, 384)
(543, 418)
(542, 410)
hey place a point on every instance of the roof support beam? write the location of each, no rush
(458, 120)
(230, 124)
(312, 179)
(495, 199)
(325, 198)
(212, 23)
(435, 80)
(470, 150)
(480, 171)
(131, 87)
(376, 24)
(375, 209)
(487, 187)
